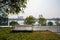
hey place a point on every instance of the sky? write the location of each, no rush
(47, 8)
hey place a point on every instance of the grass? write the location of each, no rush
(6, 34)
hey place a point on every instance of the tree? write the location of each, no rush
(50, 23)
(41, 20)
(13, 23)
(57, 21)
(12, 6)
(4, 19)
(30, 20)
(4, 15)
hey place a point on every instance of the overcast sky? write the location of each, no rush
(48, 8)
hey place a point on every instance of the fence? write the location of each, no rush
(51, 28)
(38, 28)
